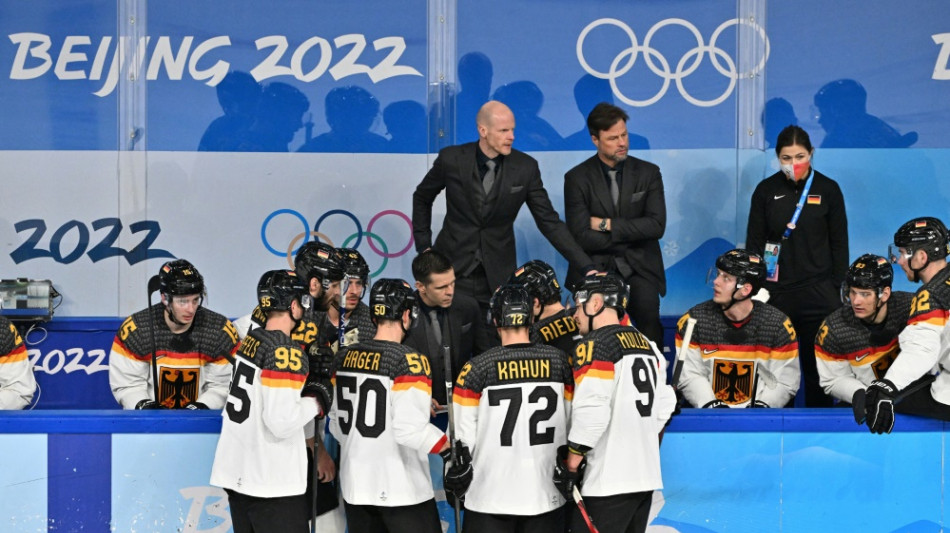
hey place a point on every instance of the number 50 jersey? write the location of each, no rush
(511, 409)
(381, 418)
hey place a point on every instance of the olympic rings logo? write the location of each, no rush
(683, 67)
(379, 247)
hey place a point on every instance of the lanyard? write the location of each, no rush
(798, 208)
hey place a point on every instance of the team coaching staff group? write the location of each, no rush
(486, 183)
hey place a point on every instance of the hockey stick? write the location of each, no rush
(154, 283)
(447, 354)
(345, 286)
(583, 509)
(860, 416)
(681, 354)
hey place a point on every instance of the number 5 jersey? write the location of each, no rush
(380, 415)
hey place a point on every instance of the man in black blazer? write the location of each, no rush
(456, 316)
(477, 232)
(616, 210)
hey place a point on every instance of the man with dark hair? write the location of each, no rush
(446, 318)
(616, 210)
(486, 183)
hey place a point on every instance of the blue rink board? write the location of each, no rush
(791, 470)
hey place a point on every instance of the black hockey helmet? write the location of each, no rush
(610, 285)
(746, 266)
(277, 289)
(923, 233)
(511, 307)
(390, 298)
(318, 260)
(870, 272)
(180, 278)
(539, 279)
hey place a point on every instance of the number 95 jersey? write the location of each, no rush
(511, 408)
(381, 418)
(262, 450)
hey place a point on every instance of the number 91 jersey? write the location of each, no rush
(381, 418)
(262, 449)
(621, 403)
(511, 409)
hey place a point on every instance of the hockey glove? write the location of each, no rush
(879, 406)
(456, 476)
(857, 405)
(195, 406)
(716, 404)
(149, 404)
(321, 389)
(758, 404)
(564, 479)
(320, 360)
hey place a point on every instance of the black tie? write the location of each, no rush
(614, 188)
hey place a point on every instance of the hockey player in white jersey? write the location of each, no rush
(261, 458)
(621, 403)
(381, 418)
(511, 404)
(920, 247)
(17, 383)
(857, 343)
(743, 352)
(174, 354)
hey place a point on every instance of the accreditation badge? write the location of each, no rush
(772, 250)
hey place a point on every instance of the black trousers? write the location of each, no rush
(922, 403)
(419, 518)
(250, 514)
(644, 308)
(622, 513)
(475, 284)
(808, 307)
(549, 522)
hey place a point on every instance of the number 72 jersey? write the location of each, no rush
(511, 409)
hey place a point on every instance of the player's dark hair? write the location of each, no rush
(790, 136)
(429, 262)
(603, 117)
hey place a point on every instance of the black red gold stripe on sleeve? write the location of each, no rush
(597, 369)
(14, 356)
(465, 397)
(937, 317)
(568, 392)
(277, 379)
(423, 383)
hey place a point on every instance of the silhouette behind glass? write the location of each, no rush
(406, 124)
(351, 111)
(531, 131)
(239, 95)
(588, 92)
(842, 112)
(278, 119)
(474, 78)
(778, 114)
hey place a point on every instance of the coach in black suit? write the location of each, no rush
(455, 316)
(616, 210)
(486, 183)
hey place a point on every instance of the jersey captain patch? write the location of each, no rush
(732, 380)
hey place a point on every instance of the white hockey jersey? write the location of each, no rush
(621, 403)
(511, 409)
(381, 418)
(262, 450)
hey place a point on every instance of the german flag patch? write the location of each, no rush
(814, 199)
